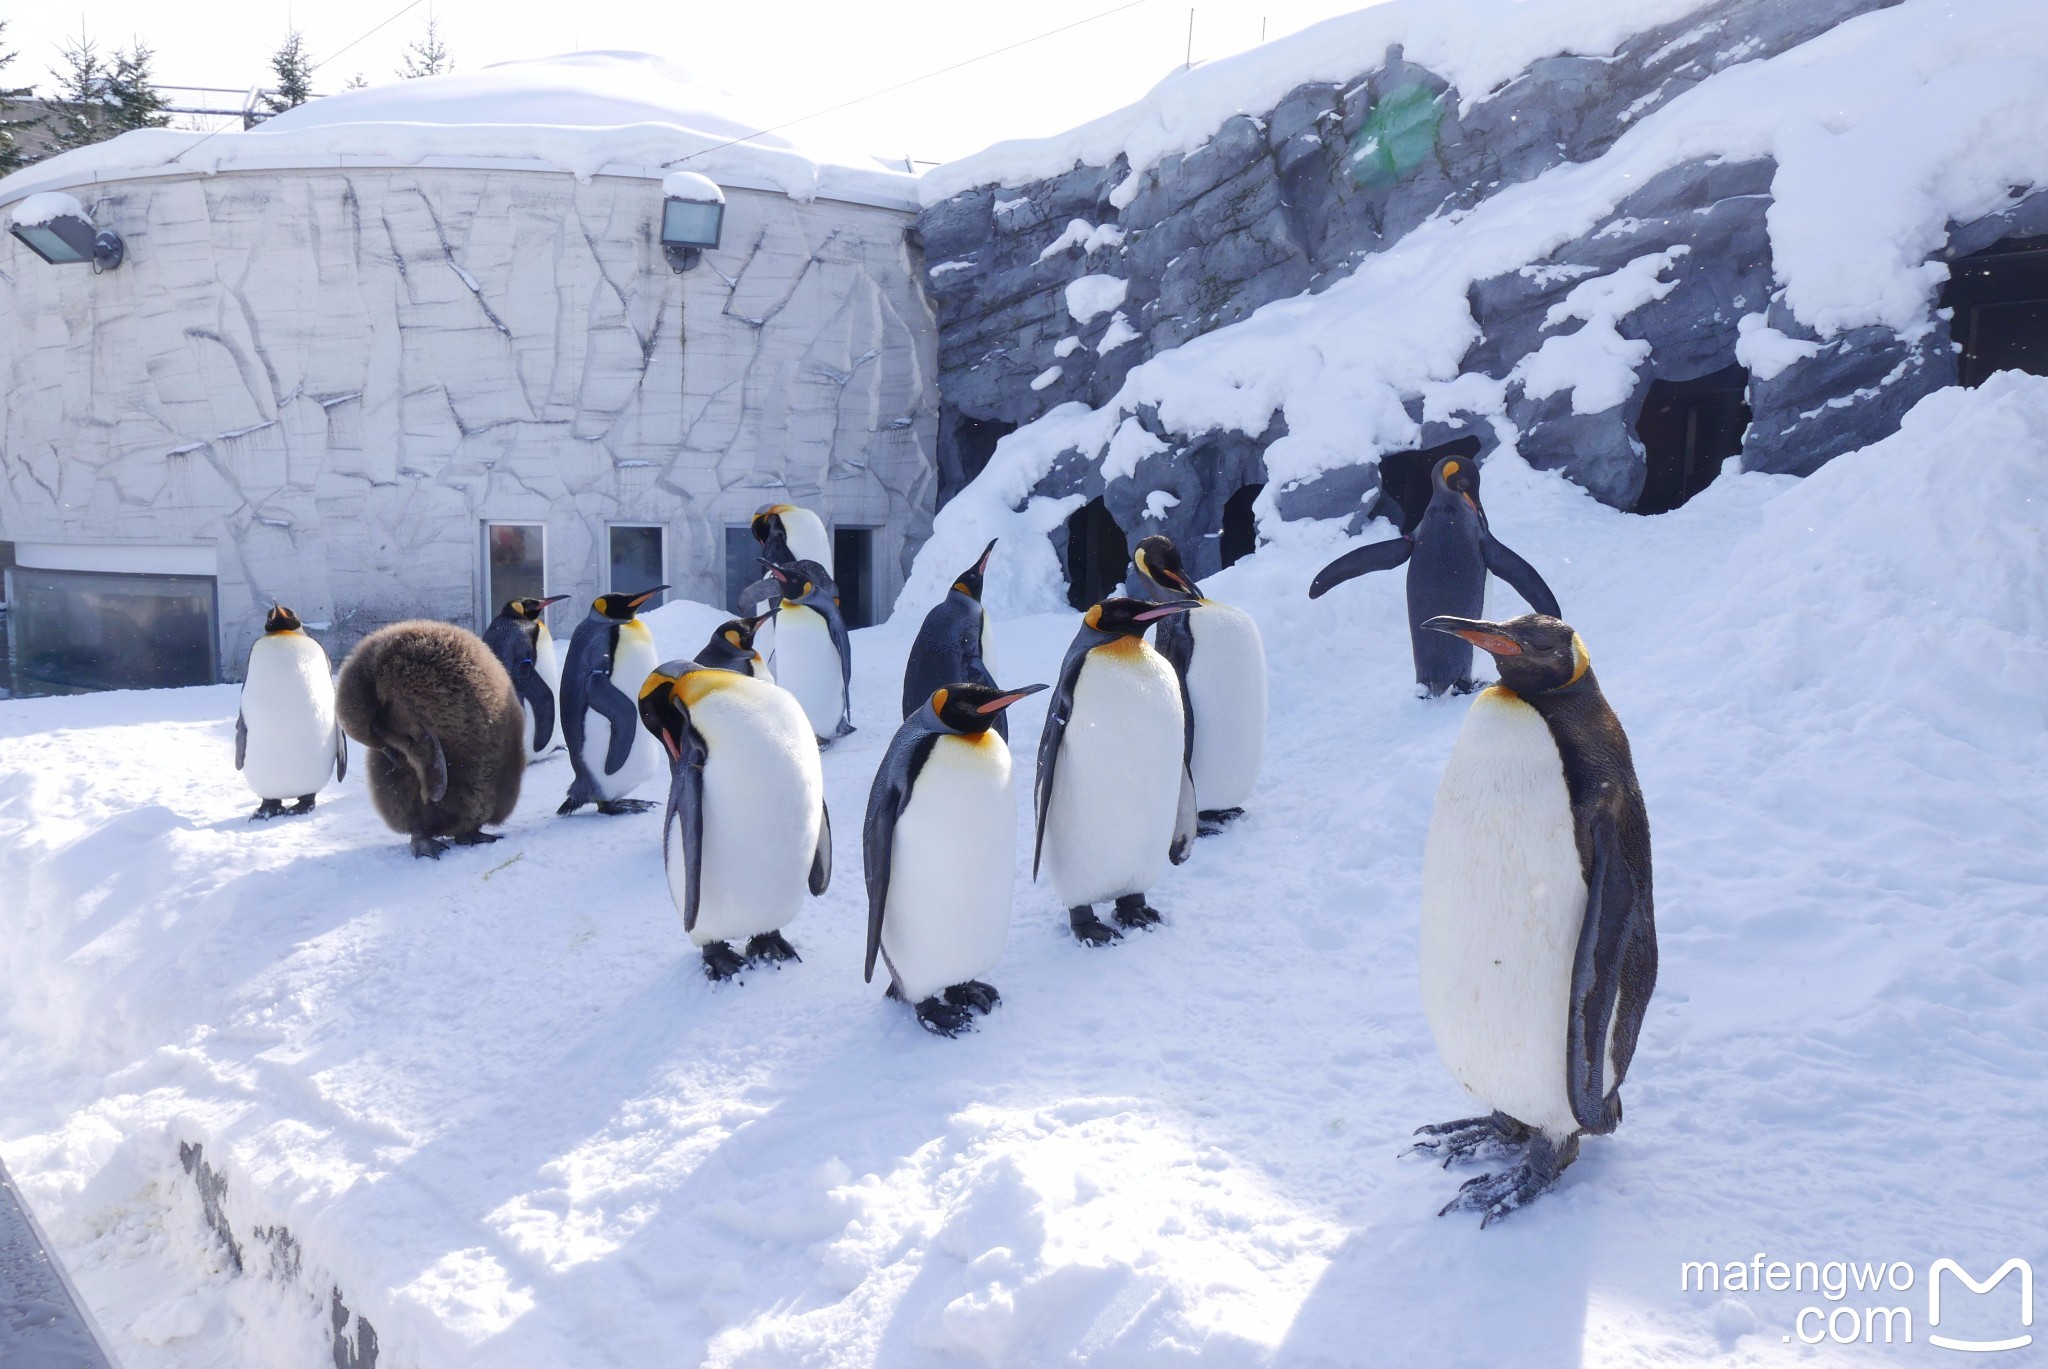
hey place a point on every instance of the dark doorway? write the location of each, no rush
(965, 446)
(1688, 428)
(1098, 555)
(1404, 481)
(1240, 527)
(853, 570)
(2000, 296)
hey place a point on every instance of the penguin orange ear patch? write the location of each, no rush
(1450, 469)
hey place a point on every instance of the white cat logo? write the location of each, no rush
(2026, 1272)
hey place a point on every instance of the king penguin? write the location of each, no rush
(520, 639)
(1217, 652)
(787, 534)
(1539, 939)
(1114, 798)
(732, 648)
(952, 645)
(288, 742)
(813, 655)
(940, 851)
(1448, 556)
(441, 728)
(746, 832)
(610, 657)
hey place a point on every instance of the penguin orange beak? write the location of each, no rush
(997, 705)
(644, 596)
(1164, 611)
(1488, 637)
(981, 566)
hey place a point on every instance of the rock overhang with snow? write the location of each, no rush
(1548, 227)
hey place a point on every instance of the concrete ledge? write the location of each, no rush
(43, 1321)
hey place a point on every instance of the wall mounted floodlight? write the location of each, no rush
(692, 217)
(54, 226)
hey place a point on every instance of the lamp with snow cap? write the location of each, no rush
(54, 226)
(692, 216)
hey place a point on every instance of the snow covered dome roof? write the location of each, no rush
(584, 112)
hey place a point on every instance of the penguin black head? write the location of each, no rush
(665, 700)
(968, 582)
(739, 632)
(1158, 560)
(281, 619)
(620, 608)
(969, 709)
(1535, 652)
(531, 609)
(1458, 475)
(803, 581)
(1130, 617)
(768, 530)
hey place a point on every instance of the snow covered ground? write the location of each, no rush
(496, 1104)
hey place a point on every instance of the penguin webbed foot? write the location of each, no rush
(1089, 929)
(975, 995)
(478, 838)
(428, 848)
(770, 947)
(1133, 911)
(268, 809)
(1498, 1134)
(1210, 821)
(300, 806)
(1466, 687)
(570, 805)
(722, 962)
(1494, 1196)
(614, 807)
(943, 1019)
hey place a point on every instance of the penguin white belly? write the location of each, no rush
(807, 665)
(548, 666)
(952, 868)
(804, 534)
(633, 660)
(1227, 689)
(1503, 897)
(288, 709)
(1116, 788)
(764, 792)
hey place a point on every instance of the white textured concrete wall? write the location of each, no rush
(337, 376)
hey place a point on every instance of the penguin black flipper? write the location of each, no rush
(821, 859)
(886, 802)
(620, 712)
(1518, 573)
(533, 691)
(1057, 713)
(1613, 971)
(434, 767)
(340, 752)
(1187, 819)
(1362, 561)
(1175, 639)
(241, 739)
(685, 815)
(841, 644)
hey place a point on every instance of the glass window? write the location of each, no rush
(75, 630)
(638, 561)
(742, 565)
(853, 565)
(515, 564)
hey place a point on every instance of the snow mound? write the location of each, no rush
(579, 112)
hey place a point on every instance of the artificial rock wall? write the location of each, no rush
(1292, 200)
(335, 377)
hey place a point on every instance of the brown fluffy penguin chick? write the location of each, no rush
(440, 723)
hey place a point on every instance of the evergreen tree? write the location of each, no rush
(427, 55)
(133, 99)
(293, 67)
(13, 156)
(79, 109)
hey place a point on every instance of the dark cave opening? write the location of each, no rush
(1098, 555)
(2000, 298)
(1688, 428)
